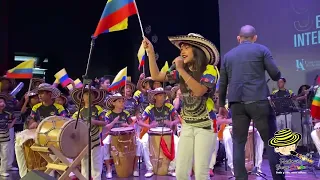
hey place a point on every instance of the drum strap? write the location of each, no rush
(164, 147)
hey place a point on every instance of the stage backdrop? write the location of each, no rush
(289, 28)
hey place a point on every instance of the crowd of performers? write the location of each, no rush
(187, 108)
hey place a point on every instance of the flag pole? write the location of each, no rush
(29, 88)
(87, 81)
(30, 83)
(135, 4)
(125, 88)
(141, 28)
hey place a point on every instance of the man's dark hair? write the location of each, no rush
(247, 32)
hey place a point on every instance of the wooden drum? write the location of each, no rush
(33, 159)
(159, 161)
(60, 132)
(248, 150)
(123, 150)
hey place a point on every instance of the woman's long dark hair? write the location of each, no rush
(198, 65)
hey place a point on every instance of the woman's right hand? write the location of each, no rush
(147, 45)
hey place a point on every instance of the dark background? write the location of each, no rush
(61, 31)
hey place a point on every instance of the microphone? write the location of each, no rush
(172, 67)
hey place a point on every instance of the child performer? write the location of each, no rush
(160, 114)
(98, 121)
(197, 76)
(117, 117)
(7, 121)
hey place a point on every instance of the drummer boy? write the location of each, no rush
(159, 114)
(98, 121)
(117, 117)
(7, 121)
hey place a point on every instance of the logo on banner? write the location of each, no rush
(300, 65)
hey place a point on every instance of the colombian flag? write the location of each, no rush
(22, 71)
(115, 16)
(165, 67)
(315, 107)
(141, 56)
(63, 77)
(77, 83)
(119, 80)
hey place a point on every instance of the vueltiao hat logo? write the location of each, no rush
(284, 137)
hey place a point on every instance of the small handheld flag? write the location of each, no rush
(23, 71)
(165, 67)
(115, 16)
(119, 80)
(77, 83)
(63, 77)
(141, 56)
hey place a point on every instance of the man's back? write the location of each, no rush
(244, 68)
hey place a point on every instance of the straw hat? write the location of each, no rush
(5, 96)
(32, 93)
(113, 98)
(145, 80)
(154, 92)
(47, 87)
(12, 81)
(35, 81)
(130, 85)
(284, 137)
(64, 98)
(199, 41)
(98, 98)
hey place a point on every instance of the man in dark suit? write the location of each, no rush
(243, 70)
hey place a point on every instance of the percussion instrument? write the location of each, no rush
(249, 148)
(159, 161)
(123, 150)
(33, 159)
(60, 132)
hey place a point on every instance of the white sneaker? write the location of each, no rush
(13, 169)
(136, 173)
(172, 173)
(109, 175)
(4, 174)
(148, 174)
(232, 171)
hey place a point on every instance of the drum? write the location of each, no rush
(159, 161)
(123, 150)
(33, 159)
(248, 150)
(60, 132)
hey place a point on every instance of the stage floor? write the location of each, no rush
(220, 174)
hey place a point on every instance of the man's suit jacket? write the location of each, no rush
(243, 73)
